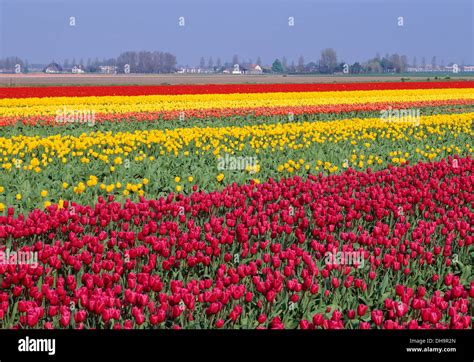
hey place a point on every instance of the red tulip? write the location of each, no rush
(361, 310)
(377, 317)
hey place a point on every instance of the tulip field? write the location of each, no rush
(278, 206)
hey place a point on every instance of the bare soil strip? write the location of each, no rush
(171, 79)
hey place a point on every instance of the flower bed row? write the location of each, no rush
(83, 91)
(192, 114)
(254, 256)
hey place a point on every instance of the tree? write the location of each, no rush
(292, 67)
(423, 62)
(169, 63)
(403, 63)
(390, 62)
(66, 64)
(155, 62)
(259, 61)
(433, 62)
(284, 63)
(300, 66)
(374, 65)
(235, 59)
(218, 62)
(277, 67)
(340, 66)
(128, 57)
(328, 61)
(210, 63)
(414, 62)
(10, 63)
(356, 68)
(145, 62)
(312, 67)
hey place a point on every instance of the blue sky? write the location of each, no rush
(39, 30)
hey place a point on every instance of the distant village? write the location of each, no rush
(235, 69)
(445, 69)
(251, 69)
(156, 62)
(55, 68)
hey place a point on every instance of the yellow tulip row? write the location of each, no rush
(36, 152)
(369, 160)
(13, 107)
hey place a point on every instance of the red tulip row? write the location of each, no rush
(254, 256)
(83, 91)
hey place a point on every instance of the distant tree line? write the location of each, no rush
(130, 61)
(10, 64)
(133, 62)
(164, 62)
(329, 64)
(146, 62)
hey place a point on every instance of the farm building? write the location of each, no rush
(53, 68)
(108, 69)
(78, 69)
(255, 69)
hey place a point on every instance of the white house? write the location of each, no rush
(77, 70)
(255, 69)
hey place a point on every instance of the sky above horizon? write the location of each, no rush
(40, 30)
